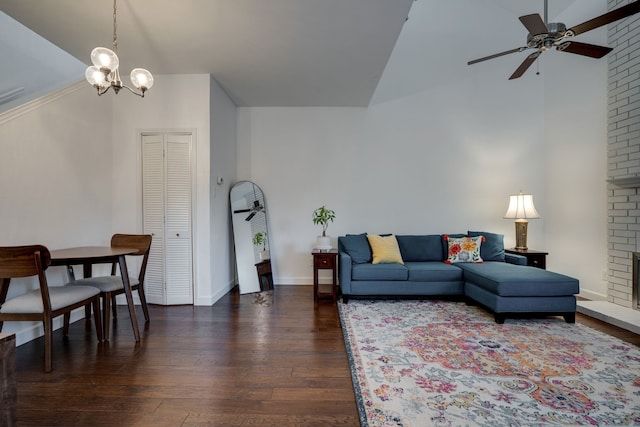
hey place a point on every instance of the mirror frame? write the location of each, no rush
(249, 217)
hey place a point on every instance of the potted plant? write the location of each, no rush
(323, 216)
(260, 238)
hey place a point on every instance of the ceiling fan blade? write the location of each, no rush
(534, 24)
(241, 210)
(251, 215)
(607, 18)
(475, 61)
(591, 50)
(525, 65)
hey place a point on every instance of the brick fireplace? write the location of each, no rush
(623, 159)
(635, 300)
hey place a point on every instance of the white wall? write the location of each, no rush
(223, 161)
(431, 163)
(440, 149)
(576, 158)
(176, 102)
(55, 178)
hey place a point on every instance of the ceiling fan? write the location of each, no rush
(544, 36)
(257, 207)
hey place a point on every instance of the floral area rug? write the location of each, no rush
(440, 363)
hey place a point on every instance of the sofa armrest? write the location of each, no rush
(515, 259)
(344, 270)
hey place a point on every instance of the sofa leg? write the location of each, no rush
(569, 317)
(345, 299)
(469, 301)
(500, 318)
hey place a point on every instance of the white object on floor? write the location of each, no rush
(623, 317)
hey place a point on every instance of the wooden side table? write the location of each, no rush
(325, 260)
(534, 258)
(265, 277)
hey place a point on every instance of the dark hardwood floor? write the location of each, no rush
(248, 360)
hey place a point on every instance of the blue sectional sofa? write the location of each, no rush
(502, 282)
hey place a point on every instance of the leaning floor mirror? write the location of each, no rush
(251, 238)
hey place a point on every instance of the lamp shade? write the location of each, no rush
(521, 207)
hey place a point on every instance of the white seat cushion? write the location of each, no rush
(104, 283)
(60, 296)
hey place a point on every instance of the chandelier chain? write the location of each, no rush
(115, 26)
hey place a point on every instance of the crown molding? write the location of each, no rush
(29, 106)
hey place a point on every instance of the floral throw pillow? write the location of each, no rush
(464, 249)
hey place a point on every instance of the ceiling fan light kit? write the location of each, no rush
(544, 36)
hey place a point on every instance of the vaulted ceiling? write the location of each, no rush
(263, 52)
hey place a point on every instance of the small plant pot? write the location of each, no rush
(265, 255)
(323, 242)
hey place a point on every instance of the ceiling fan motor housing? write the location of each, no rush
(555, 32)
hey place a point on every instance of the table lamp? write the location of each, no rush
(521, 208)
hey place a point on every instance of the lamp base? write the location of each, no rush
(521, 234)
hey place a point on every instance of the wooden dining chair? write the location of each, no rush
(111, 286)
(45, 303)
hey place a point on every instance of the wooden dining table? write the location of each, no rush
(87, 256)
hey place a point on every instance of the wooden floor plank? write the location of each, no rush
(242, 362)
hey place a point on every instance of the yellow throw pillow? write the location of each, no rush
(384, 249)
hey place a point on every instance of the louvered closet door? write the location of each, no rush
(167, 216)
(178, 227)
(153, 200)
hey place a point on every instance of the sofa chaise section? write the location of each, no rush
(509, 290)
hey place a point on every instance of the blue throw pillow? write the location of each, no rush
(492, 248)
(420, 248)
(357, 246)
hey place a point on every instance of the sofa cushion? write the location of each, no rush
(492, 248)
(357, 246)
(393, 271)
(433, 271)
(384, 249)
(464, 249)
(505, 279)
(420, 248)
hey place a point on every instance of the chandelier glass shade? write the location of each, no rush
(104, 74)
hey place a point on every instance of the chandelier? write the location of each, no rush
(105, 74)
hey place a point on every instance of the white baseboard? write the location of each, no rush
(209, 300)
(592, 296)
(34, 330)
